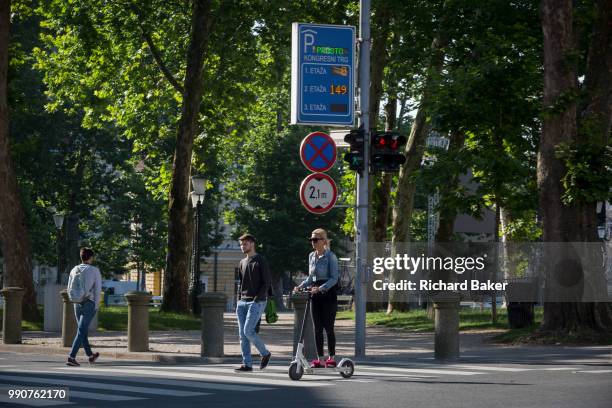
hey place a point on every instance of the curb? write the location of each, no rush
(163, 358)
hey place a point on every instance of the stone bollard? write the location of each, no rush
(446, 342)
(69, 323)
(138, 320)
(212, 307)
(299, 301)
(11, 321)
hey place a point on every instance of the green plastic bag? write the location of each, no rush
(271, 315)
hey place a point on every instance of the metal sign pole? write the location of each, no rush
(361, 236)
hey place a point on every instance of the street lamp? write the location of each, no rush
(58, 219)
(197, 198)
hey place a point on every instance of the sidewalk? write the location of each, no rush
(385, 345)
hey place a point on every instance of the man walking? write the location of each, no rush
(86, 283)
(255, 281)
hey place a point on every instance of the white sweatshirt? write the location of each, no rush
(93, 281)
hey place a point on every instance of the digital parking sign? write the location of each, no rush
(322, 74)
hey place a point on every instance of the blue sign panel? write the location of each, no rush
(322, 75)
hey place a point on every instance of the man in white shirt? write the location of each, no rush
(86, 309)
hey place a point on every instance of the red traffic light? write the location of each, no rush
(380, 141)
(388, 140)
(386, 154)
(397, 141)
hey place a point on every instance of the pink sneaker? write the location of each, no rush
(316, 364)
(330, 362)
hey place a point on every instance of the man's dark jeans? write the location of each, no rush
(84, 313)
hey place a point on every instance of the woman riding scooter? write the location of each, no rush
(322, 279)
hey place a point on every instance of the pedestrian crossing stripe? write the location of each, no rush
(282, 372)
(373, 370)
(269, 372)
(285, 369)
(358, 369)
(276, 375)
(242, 379)
(477, 367)
(557, 368)
(490, 368)
(102, 397)
(188, 383)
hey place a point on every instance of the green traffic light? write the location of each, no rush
(354, 156)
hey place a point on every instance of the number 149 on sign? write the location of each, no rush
(338, 89)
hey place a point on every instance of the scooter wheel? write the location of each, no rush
(295, 371)
(350, 369)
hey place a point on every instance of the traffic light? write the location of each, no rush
(354, 156)
(386, 153)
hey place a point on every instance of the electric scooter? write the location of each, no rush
(300, 366)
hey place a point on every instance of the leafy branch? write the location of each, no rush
(154, 51)
(588, 176)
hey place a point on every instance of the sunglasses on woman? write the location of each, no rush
(314, 239)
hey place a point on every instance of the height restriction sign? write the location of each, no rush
(318, 193)
(318, 152)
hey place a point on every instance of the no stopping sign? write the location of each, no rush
(318, 193)
(318, 152)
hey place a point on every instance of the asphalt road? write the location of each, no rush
(413, 384)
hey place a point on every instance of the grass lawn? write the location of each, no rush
(417, 320)
(470, 319)
(28, 325)
(116, 318)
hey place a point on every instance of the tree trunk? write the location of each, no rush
(499, 148)
(177, 259)
(70, 255)
(495, 239)
(380, 38)
(380, 199)
(575, 223)
(379, 54)
(13, 233)
(71, 244)
(404, 202)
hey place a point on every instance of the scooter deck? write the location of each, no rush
(311, 370)
(337, 369)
